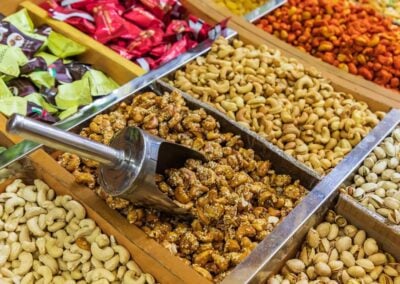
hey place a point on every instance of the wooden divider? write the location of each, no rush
(377, 97)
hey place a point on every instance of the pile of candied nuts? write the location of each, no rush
(236, 198)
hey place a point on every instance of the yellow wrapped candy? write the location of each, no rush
(241, 7)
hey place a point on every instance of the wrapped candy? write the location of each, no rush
(149, 32)
(39, 80)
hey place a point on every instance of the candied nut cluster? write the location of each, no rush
(276, 97)
(236, 198)
(337, 252)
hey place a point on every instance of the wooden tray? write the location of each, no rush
(98, 55)
(377, 97)
(150, 256)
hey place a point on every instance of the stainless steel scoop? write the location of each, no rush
(128, 165)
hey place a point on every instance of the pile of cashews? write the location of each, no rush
(46, 238)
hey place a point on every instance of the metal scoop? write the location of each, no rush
(128, 166)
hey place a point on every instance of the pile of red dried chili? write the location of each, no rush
(149, 32)
(352, 37)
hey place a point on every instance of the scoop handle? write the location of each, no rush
(65, 141)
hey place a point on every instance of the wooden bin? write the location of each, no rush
(149, 255)
(375, 95)
(98, 55)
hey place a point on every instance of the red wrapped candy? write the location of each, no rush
(143, 18)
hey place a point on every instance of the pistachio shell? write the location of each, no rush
(378, 258)
(324, 245)
(343, 244)
(304, 256)
(323, 229)
(348, 259)
(366, 264)
(296, 265)
(356, 271)
(372, 177)
(340, 221)
(389, 185)
(323, 269)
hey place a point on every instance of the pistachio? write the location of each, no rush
(350, 231)
(348, 259)
(343, 244)
(356, 271)
(333, 232)
(380, 166)
(370, 246)
(313, 238)
(380, 152)
(310, 271)
(366, 264)
(323, 229)
(390, 271)
(391, 203)
(378, 258)
(296, 265)
(323, 269)
(321, 257)
(376, 272)
(394, 216)
(372, 178)
(390, 149)
(385, 279)
(336, 265)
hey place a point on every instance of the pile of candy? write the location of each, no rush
(36, 79)
(148, 32)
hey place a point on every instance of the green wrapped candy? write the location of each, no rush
(11, 105)
(4, 90)
(74, 94)
(21, 20)
(38, 99)
(100, 84)
(42, 79)
(10, 59)
(68, 112)
(49, 58)
(63, 47)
